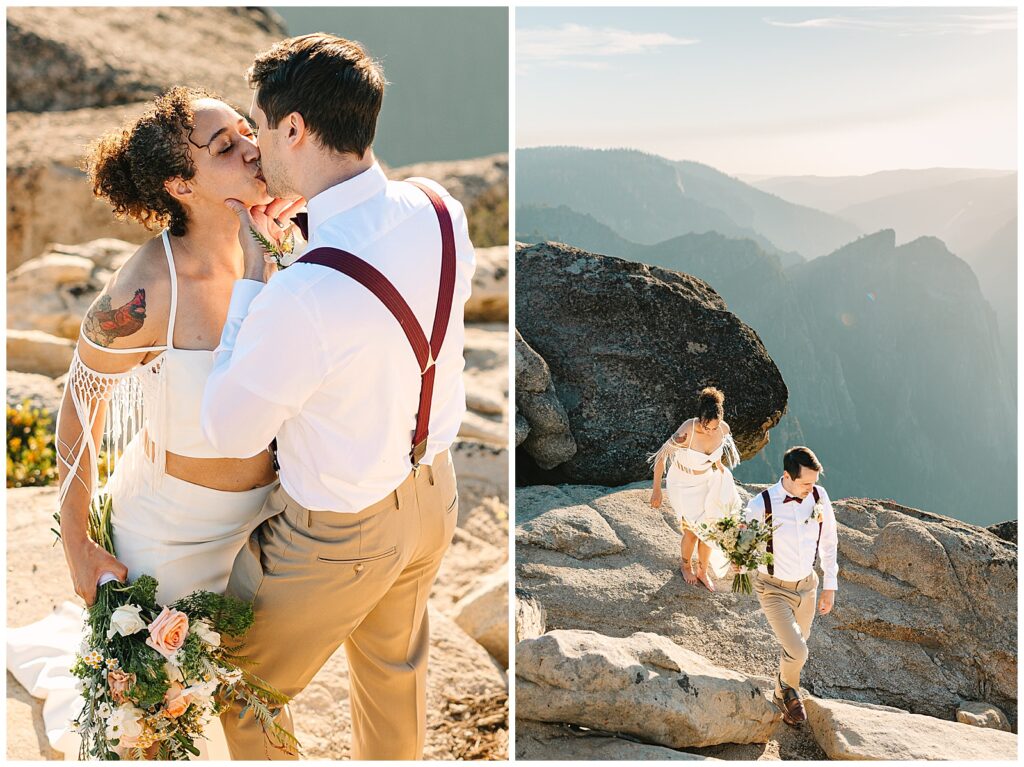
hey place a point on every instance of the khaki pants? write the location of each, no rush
(320, 579)
(789, 608)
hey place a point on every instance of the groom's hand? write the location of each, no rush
(271, 221)
(88, 562)
(825, 602)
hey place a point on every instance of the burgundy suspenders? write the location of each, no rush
(766, 496)
(426, 351)
(768, 521)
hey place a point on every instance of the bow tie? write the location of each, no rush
(791, 498)
(301, 220)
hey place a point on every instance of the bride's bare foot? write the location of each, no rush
(688, 575)
(703, 577)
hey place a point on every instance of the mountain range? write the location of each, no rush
(896, 368)
(973, 211)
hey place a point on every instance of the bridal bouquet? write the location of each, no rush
(154, 676)
(745, 544)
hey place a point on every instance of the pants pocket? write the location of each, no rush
(247, 572)
(357, 560)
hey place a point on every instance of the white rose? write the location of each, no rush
(201, 692)
(125, 723)
(174, 673)
(205, 631)
(125, 620)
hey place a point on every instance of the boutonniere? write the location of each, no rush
(277, 255)
(816, 513)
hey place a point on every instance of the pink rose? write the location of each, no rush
(119, 684)
(167, 633)
(742, 526)
(175, 703)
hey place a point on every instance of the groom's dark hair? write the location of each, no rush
(332, 82)
(796, 457)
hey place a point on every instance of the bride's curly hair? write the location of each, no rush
(710, 405)
(127, 167)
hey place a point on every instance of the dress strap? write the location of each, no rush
(174, 290)
(110, 350)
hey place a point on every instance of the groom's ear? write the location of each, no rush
(296, 128)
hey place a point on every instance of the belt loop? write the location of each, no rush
(309, 518)
(398, 497)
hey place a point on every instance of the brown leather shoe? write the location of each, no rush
(791, 706)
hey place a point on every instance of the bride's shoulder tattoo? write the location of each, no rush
(104, 324)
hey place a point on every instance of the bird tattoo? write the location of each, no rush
(104, 324)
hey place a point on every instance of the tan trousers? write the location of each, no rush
(789, 608)
(320, 579)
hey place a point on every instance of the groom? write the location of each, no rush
(787, 588)
(352, 358)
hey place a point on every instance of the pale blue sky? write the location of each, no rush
(825, 91)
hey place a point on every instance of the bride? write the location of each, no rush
(700, 484)
(181, 510)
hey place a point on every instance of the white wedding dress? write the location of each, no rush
(184, 535)
(699, 494)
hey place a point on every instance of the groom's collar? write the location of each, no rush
(346, 195)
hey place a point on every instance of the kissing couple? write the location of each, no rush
(701, 489)
(280, 435)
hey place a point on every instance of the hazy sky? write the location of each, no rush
(775, 91)
(447, 69)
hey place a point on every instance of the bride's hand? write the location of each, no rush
(87, 563)
(656, 498)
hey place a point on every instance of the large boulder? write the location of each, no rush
(641, 685)
(847, 730)
(39, 390)
(483, 614)
(33, 351)
(978, 714)
(548, 742)
(60, 59)
(466, 180)
(48, 196)
(486, 381)
(52, 293)
(629, 347)
(925, 616)
(1005, 530)
(489, 300)
(531, 621)
(574, 529)
(547, 437)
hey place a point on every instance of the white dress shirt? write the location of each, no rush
(315, 359)
(795, 541)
